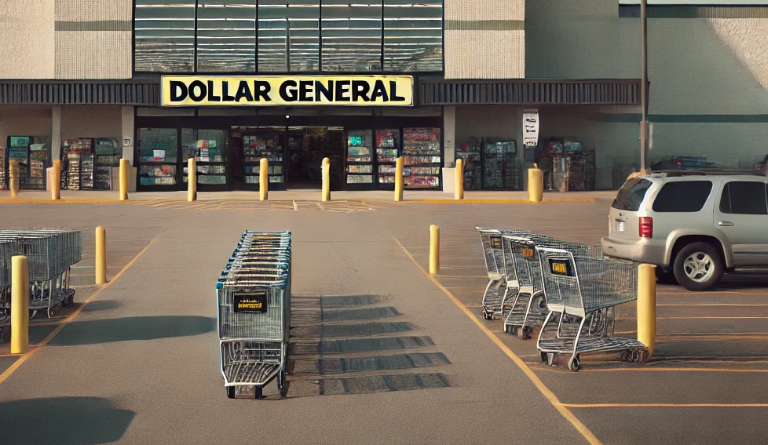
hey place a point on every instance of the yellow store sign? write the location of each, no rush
(196, 91)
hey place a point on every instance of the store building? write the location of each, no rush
(88, 82)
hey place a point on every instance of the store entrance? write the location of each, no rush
(295, 156)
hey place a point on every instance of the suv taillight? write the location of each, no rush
(646, 227)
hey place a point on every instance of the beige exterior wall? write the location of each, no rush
(27, 36)
(25, 121)
(66, 39)
(484, 39)
(91, 121)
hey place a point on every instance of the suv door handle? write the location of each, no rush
(725, 224)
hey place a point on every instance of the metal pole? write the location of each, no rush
(644, 87)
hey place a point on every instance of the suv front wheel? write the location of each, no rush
(698, 266)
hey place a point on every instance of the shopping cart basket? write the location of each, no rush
(527, 307)
(253, 296)
(584, 287)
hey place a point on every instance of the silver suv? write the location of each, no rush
(694, 226)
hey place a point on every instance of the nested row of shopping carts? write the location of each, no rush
(254, 312)
(50, 254)
(567, 290)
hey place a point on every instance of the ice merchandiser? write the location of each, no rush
(32, 158)
(264, 143)
(387, 151)
(359, 168)
(422, 158)
(501, 169)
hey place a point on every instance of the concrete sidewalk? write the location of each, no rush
(310, 195)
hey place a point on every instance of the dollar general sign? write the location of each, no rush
(195, 91)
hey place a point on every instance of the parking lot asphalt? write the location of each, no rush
(381, 352)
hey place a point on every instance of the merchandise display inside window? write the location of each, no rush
(360, 157)
(422, 158)
(210, 149)
(567, 165)
(264, 143)
(158, 155)
(77, 164)
(108, 154)
(3, 168)
(501, 169)
(470, 152)
(387, 151)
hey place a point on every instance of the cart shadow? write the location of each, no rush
(70, 420)
(132, 328)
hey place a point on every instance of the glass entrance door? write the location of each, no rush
(158, 150)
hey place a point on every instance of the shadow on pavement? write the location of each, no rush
(132, 328)
(102, 305)
(63, 421)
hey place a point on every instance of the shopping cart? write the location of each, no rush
(527, 307)
(50, 254)
(579, 287)
(6, 249)
(499, 279)
(253, 296)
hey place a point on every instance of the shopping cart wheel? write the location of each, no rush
(574, 364)
(625, 355)
(513, 330)
(544, 357)
(51, 312)
(230, 392)
(526, 333)
(281, 380)
(642, 356)
(257, 392)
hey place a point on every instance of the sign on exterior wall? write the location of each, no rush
(530, 127)
(210, 91)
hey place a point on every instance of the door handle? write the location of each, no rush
(725, 224)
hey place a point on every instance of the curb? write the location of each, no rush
(412, 201)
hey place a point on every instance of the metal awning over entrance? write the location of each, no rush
(529, 92)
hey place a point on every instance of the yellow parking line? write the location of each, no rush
(551, 397)
(8, 372)
(667, 405)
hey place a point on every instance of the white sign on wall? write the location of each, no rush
(530, 127)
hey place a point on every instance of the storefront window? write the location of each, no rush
(158, 155)
(413, 35)
(165, 36)
(210, 149)
(351, 35)
(360, 157)
(226, 36)
(422, 157)
(387, 151)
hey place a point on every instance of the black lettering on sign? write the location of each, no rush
(225, 92)
(244, 91)
(360, 89)
(211, 96)
(178, 91)
(305, 91)
(197, 91)
(380, 90)
(393, 92)
(251, 302)
(342, 91)
(495, 242)
(561, 268)
(261, 89)
(288, 95)
(326, 92)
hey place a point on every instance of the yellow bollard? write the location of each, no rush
(326, 179)
(56, 179)
(535, 184)
(646, 306)
(13, 177)
(264, 179)
(399, 179)
(101, 255)
(434, 249)
(19, 305)
(123, 179)
(191, 179)
(459, 179)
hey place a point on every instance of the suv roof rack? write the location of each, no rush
(677, 173)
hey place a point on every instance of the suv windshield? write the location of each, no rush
(631, 194)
